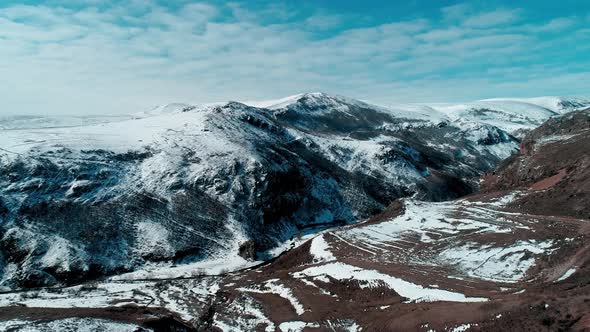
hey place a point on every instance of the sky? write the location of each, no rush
(112, 57)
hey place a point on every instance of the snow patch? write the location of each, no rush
(319, 249)
(69, 324)
(272, 287)
(152, 239)
(567, 274)
(373, 278)
(296, 326)
(500, 264)
(463, 327)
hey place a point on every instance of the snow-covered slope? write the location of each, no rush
(36, 122)
(556, 104)
(188, 184)
(319, 103)
(513, 115)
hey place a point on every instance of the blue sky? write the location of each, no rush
(96, 56)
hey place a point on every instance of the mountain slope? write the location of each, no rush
(515, 116)
(554, 161)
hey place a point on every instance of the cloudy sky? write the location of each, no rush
(107, 57)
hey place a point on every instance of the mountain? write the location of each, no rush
(553, 160)
(510, 257)
(223, 182)
(515, 116)
(20, 122)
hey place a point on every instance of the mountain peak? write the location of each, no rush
(286, 101)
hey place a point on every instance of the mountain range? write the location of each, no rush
(217, 214)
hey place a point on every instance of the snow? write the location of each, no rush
(346, 325)
(553, 103)
(182, 297)
(273, 287)
(535, 107)
(63, 255)
(511, 114)
(319, 249)
(506, 199)
(152, 238)
(276, 103)
(164, 109)
(115, 136)
(322, 291)
(508, 263)
(74, 297)
(38, 122)
(439, 224)
(508, 115)
(288, 245)
(373, 278)
(68, 324)
(214, 265)
(554, 138)
(567, 274)
(319, 103)
(365, 156)
(296, 326)
(422, 219)
(462, 327)
(244, 315)
(223, 326)
(121, 134)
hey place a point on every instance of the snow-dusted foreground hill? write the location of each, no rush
(201, 185)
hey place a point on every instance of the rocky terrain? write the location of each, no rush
(178, 213)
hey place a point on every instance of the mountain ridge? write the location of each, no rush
(261, 175)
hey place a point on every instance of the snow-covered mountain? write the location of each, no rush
(188, 184)
(36, 122)
(514, 115)
(511, 257)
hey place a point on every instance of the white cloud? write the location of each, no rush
(130, 57)
(456, 11)
(493, 18)
(323, 22)
(556, 25)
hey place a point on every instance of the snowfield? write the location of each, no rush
(502, 264)
(320, 250)
(68, 324)
(372, 278)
